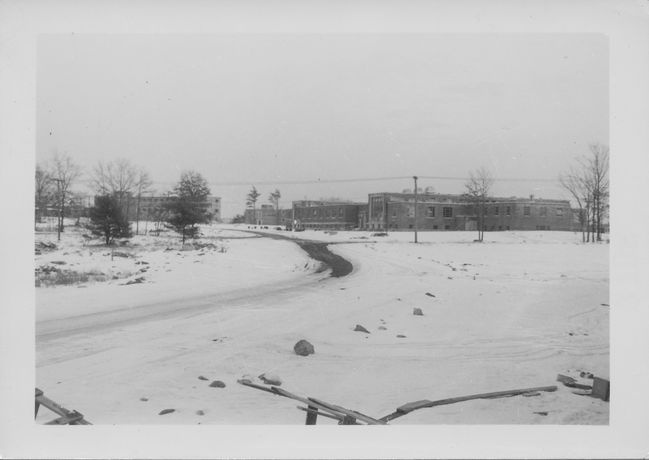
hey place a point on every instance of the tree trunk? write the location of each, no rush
(137, 216)
(62, 215)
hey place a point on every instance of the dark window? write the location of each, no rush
(508, 211)
(447, 227)
(434, 227)
(431, 211)
(526, 210)
(500, 227)
(559, 211)
(447, 212)
(496, 210)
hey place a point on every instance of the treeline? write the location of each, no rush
(119, 187)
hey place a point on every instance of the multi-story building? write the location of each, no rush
(152, 207)
(265, 214)
(326, 215)
(396, 211)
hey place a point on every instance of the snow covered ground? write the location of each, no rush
(512, 312)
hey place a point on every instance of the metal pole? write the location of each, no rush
(59, 222)
(415, 178)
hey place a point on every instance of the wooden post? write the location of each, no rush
(311, 415)
(415, 178)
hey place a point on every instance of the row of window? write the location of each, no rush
(448, 211)
(161, 208)
(543, 211)
(339, 212)
(430, 211)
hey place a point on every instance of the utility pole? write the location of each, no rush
(59, 223)
(415, 178)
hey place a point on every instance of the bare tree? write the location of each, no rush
(588, 184)
(274, 199)
(598, 171)
(44, 190)
(118, 178)
(64, 172)
(142, 185)
(574, 183)
(251, 201)
(477, 192)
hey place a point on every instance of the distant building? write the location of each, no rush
(396, 211)
(152, 207)
(326, 215)
(263, 215)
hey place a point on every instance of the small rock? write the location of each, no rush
(360, 328)
(144, 399)
(303, 348)
(541, 413)
(200, 412)
(383, 328)
(571, 333)
(430, 295)
(417, 311)
(270, 379)
(166, 411)
(200, 377)
(217, 384)
(401, 336)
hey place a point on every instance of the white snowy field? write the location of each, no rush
(509, 313)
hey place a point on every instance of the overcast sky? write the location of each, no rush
(272, 109)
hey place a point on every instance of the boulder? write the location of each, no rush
(217, 384)
(360, 328)
(303, 348)
(417, 311)
(166, 411)
(200, 377)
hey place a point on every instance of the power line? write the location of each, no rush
(362, 179)
(496, 179)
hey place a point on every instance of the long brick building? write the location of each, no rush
(396, 211)
(326, 215)
(388, 211)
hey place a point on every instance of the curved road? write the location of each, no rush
(98, 321)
